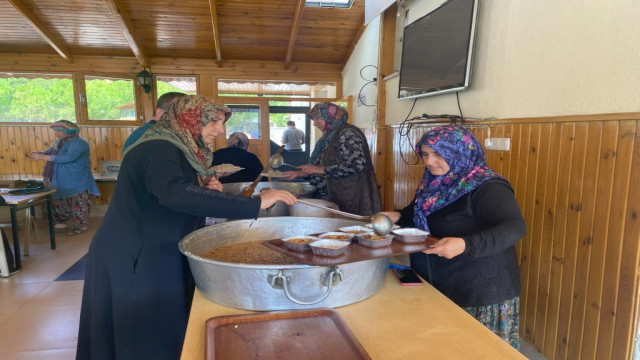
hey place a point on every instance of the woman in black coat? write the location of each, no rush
(138, 286)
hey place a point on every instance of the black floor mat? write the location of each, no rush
(75, 271)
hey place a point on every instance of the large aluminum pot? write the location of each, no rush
(300, 189)
(278, 287)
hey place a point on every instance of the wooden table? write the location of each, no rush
(399, 322)
(19, 202)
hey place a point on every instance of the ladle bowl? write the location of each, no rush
(276, 160)
(380, 223)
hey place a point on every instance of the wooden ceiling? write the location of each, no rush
(223, 30)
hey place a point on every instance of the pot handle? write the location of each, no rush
(283, 279)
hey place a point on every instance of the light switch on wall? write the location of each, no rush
(498, 144)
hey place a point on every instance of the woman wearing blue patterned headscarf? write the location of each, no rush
(474, 212)
(340, 165)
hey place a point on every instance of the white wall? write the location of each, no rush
(365, 53)
(532, 58)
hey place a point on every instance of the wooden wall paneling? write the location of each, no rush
(626, 312)
(551, 141)
(558, 207)
(622, 158)
(5, 159)
(31, 167)
(537, 282)
(530, 248)
(22, 148)
(572, 239)
(89, 135)
(586, 206)
(519, 186)
(599, 238)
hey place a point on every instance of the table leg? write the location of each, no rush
(16, 241)
(52, 232)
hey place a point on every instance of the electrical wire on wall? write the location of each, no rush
(361, 98)
(407, 124)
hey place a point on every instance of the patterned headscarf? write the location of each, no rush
(333, 116)
(468, 170)
(70, 130)
(238, 140)
(67, 127)
(182, 125)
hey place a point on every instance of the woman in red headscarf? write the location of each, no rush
(138, 286)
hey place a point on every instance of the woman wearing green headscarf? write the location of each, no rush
(138, 287)
(68, 170)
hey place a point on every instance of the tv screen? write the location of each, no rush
(437, 50)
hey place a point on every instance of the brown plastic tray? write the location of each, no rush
(355, 252)
(314, 334)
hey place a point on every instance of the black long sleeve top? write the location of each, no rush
(490, 222)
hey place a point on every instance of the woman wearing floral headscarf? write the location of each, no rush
(68, 170)
(138, 287)
(474, 212)
(341, 167)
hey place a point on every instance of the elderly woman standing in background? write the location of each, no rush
(68, 170)
(341, 167)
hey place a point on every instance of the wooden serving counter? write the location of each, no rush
(399, 322)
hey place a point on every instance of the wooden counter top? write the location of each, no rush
(399, 322)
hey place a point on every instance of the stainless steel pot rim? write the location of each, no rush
(189, 254)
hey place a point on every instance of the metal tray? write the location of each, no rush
(315, 334)
(355, 252)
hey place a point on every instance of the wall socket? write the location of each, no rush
(498, 144)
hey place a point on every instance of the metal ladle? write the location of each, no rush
(380, 223)
(276, 160)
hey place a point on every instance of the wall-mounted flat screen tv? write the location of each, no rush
(437, 50)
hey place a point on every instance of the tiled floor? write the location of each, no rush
(39, 316)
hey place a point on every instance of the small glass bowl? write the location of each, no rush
(329, 247)
(410, 235)
(370, 239)
(299, 243)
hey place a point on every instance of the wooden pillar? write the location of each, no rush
(382, 157)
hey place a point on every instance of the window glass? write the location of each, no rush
(183, 84)
(36, 97)
(244, 118)
(280, 112)
(110, 98)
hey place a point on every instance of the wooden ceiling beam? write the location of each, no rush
(216, 31)
(353, 45)
(37, 25)
(126, 26)
(293, 34)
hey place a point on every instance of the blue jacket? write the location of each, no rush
(72, 170)
(136, 134)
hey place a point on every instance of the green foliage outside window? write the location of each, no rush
(36, 100)
(109, 99)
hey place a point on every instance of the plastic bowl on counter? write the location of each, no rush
(329, 247)
(410, 235)
(299, 243)
(372, 240)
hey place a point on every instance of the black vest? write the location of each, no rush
(358, 193)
